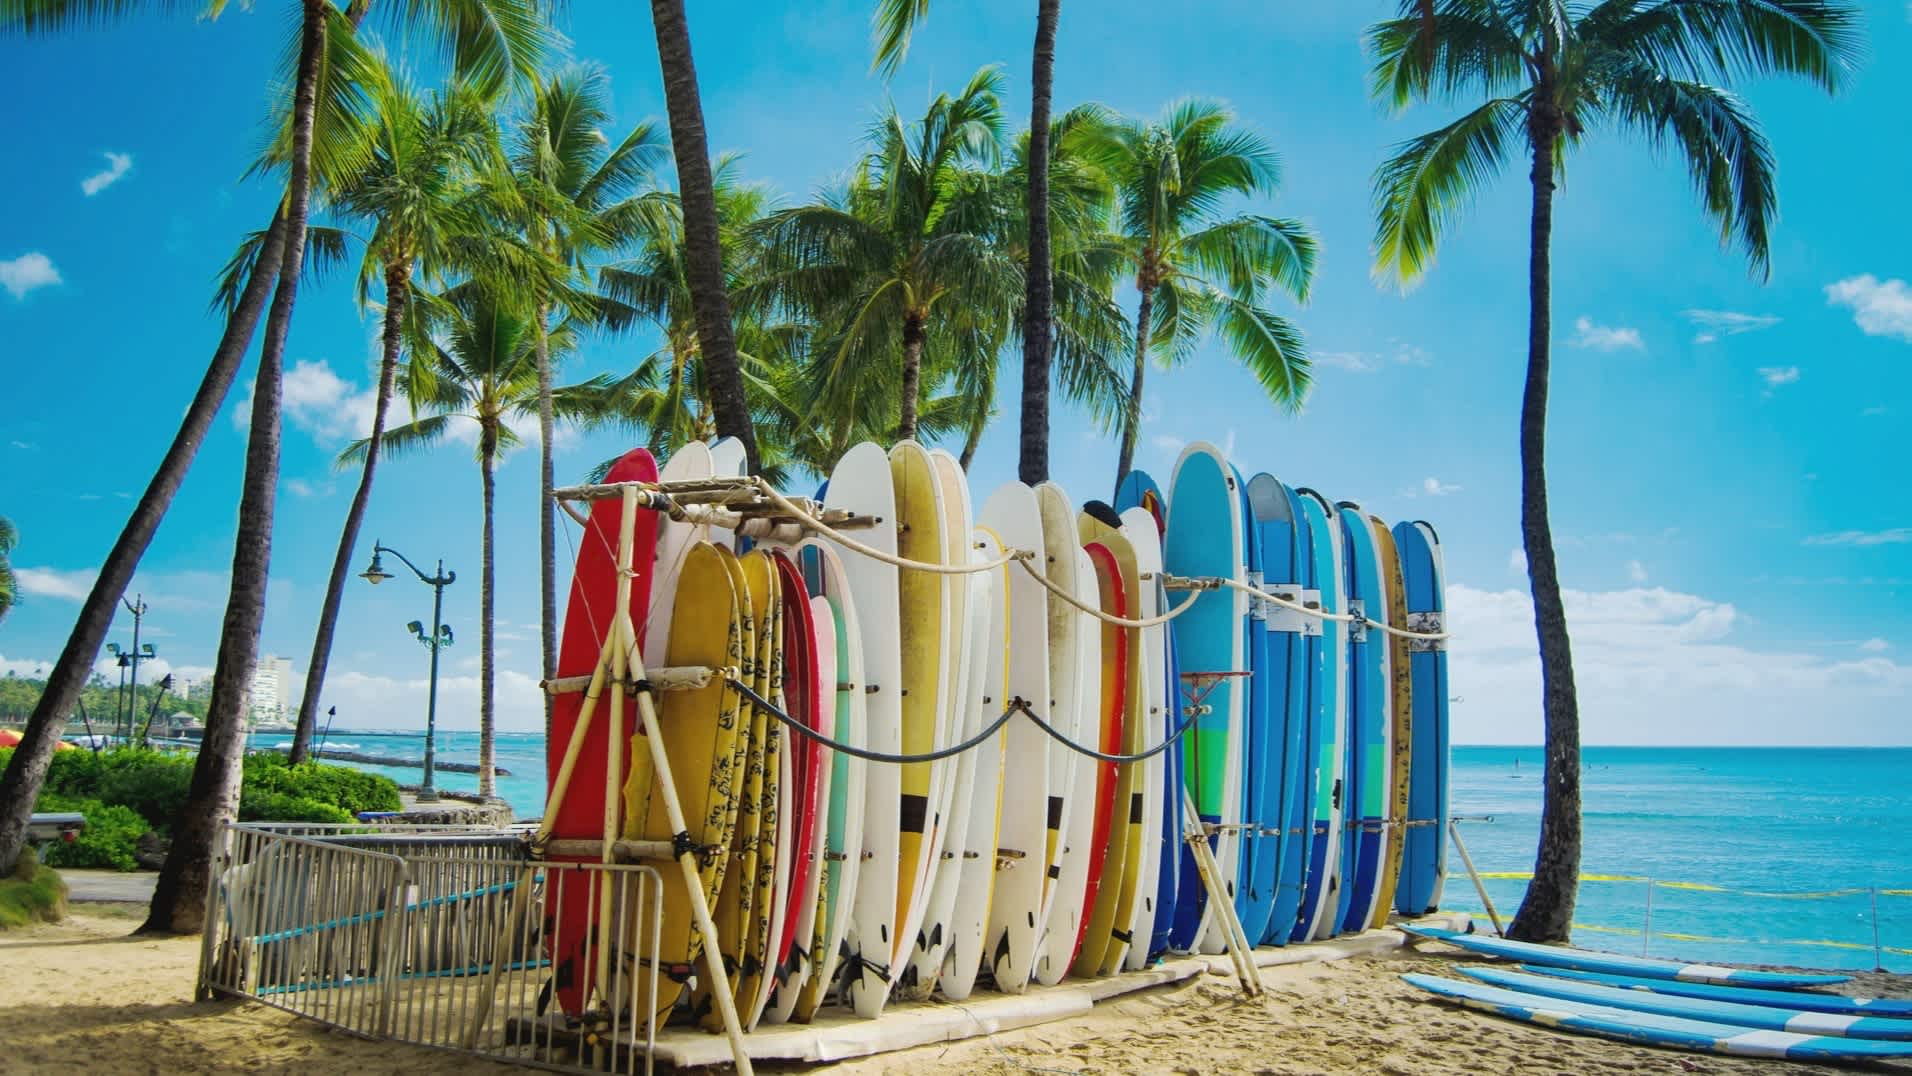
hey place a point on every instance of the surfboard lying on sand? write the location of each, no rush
(1775, 1017)
(1796, 999)
(1586, 960)
(1655, 1030)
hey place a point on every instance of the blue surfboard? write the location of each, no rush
(1138, 490)
(1771, 1017)
(1370, 723)
(1656, 1030)
(1747, 995)
(1327, 676)
(1204, 538)
(1284, 673)
(1262, 755)
(1612, 963)
(1424, 850)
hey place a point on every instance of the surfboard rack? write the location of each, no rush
(663, 678)
(1427, 623)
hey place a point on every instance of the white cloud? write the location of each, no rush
(1636, 572)
(383, 702)
(27, 272)
(1643, 655)
(1889, 536)
(24, 446)
(299, 487)
(1872, 412)
(1434, 487)
(1714, 324)
(1413, 355)
(1605, 337)
(1875, 645)
(117, 165)
(1359, 362)
(55, 583)
(1775, 376)
(1881, 308)
(1517, 561)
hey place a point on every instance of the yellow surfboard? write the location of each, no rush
(700, 730)
(766, 756)
(1114, 905)
(1401, 685)
(921, 599)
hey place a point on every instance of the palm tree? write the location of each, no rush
(703, 247)
(895, 22)
(576, 198)
(474, 357)
(416, 189)
(9, 537)
(905, 260)
(1196, 270)
(1551, 74)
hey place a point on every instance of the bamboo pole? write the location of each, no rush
(614, 745)
(1219, 902)
(1454, 830)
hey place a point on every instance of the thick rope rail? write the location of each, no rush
(1109, 618)
(1323, 614)
(761, 703)
(793, 510)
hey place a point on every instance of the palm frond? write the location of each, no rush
(1269, 346)
(1460, 47)
(1717, 40)
(1421, 187)
(891, 28)
(399, 440)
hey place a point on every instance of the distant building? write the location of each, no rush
(200, 688)
(270, 683)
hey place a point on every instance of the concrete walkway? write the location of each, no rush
(99, 885)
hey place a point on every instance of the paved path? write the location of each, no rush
(98, 885)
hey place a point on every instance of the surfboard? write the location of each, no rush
(1109, 896)
(588, 614)
(1656, 1030)
(1056, 951)
(843, 840)
(810, 909)
(802, 758)
(727, 457)
(1014, 517)
(861, 484)
(1776, 1017)
(700, 729)
(1796, 999)
(1204, 538)
(1401, 713)
(1424, 850)
(1066, 705)
(1284, 642)
(1371, 726)
(1139, 490)
(1153, 720)
(1261, 750)
(689, 463)
(1587, 960)
(980, 792)
(1327, 713)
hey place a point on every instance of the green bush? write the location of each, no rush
(34, 893)
(112, 832)
(349, 790)
(257, 805)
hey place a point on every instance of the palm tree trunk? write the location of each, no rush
(1132, 418)
(1038, 296)
(547, 521)
(1546, 913)
(397, 292)
(913, 337)
(212, 800)
(703, 256)
(487, 778)
(20, 788)
(973, 437)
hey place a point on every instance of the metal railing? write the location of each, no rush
(437, 936)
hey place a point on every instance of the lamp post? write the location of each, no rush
(128, 701)
(439, 638)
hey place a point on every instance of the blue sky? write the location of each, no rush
(1734, 525)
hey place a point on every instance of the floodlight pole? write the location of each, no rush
(428, 792)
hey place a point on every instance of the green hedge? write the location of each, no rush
(111, 834)
(34, 894)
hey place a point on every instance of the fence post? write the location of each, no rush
(1646, 925)
(1878, 954)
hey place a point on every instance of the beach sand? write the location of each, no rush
(86, 995)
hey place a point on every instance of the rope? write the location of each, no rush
(1323, 614)
(815, 524)
(867, 755)
(1107, 618)
(1188, 722)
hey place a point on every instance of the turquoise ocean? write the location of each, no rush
(1752, 855)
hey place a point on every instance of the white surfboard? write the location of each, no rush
(1067, 912)
(1059, 566)
(1337, 657)
(1138, 525)
(727, 458)
(785, 992)
(983, 789)
(674, 539)
(861, 485)
(1013, 517)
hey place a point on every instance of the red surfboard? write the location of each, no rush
(571, 909)
(1108, 578)
(804, 692)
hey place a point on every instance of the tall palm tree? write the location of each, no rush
(416, 191)
(9, 537)
(904, 262)
(1197, 270)
(1550, 74)
(896, 21)
(703, 247)
(576, 199)
(474, 358)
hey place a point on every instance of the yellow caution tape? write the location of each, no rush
(1703, 887)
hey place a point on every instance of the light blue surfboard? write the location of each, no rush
(1327, 675)
(1747, 995)
(1771, 1017)
(1370, 723)
(1587, 960)
(1424, 849)
(1138, 490)
(1284, 673)
(1653, 1029)
(1262, 755)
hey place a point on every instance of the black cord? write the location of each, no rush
(1181, 730)
(877, 756)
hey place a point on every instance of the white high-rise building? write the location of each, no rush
(270, 682)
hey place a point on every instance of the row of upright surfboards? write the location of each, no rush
(843, 876)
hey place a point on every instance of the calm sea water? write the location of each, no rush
(1770, 855)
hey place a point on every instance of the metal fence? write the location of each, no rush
(438, 936)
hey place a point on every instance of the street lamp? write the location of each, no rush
(439, 638)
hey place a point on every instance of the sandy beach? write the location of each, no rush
(87, 995)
